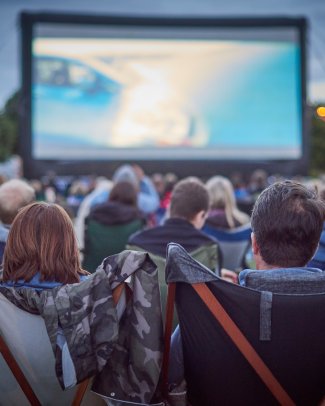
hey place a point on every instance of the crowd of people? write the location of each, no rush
(146, 212)
(58, 230)
(132, 201)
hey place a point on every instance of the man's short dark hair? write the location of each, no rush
(189, 197)
(287, 221)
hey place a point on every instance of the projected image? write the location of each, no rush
(98, 98)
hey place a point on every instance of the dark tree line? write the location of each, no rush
(317, 144)
(9, 119)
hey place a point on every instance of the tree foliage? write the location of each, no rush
(317, 144)
(9, 127)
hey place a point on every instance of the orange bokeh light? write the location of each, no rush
(321, 111)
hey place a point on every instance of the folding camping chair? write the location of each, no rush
(27, 352)
(243, 346)
(208, 255)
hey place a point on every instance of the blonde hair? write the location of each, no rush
(222, 196)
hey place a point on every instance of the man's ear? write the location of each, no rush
(199, 219)
(255, 247)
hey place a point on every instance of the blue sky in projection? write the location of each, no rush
(261, 104)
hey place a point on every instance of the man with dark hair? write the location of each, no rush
(190, 201)
(188, 207)
(187, 212)
(287, 222)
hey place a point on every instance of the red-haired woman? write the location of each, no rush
(41, 251)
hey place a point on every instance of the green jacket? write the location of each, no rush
(104, 240)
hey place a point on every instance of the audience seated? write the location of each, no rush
(148, 199)
(223, 212)
(285, 330)
(14, 194)
(226, 223)
(41, 250)
(110, 224)
(102, 184)
(83, 330)
(75, 195)
(287, 222)
(188, 207)
(258, 182)
(41, 253)
(164, 186)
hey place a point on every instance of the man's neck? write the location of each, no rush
(262, 265)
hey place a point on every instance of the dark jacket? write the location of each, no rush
(218, 219)
(113, 213)
(107, 230)
(177, 230)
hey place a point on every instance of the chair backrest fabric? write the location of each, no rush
(216, 371)
(233, 244)
(32, 350)
(206, 255)
(102, 241)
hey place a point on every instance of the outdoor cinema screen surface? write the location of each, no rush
(167, 93)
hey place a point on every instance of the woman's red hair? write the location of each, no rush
(42, 239)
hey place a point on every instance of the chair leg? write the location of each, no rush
(80, 393)
(18, 373)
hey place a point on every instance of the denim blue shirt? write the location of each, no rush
(302, 280)
(36, 283)
(276, 272)
(319, 258)
(4, 231)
